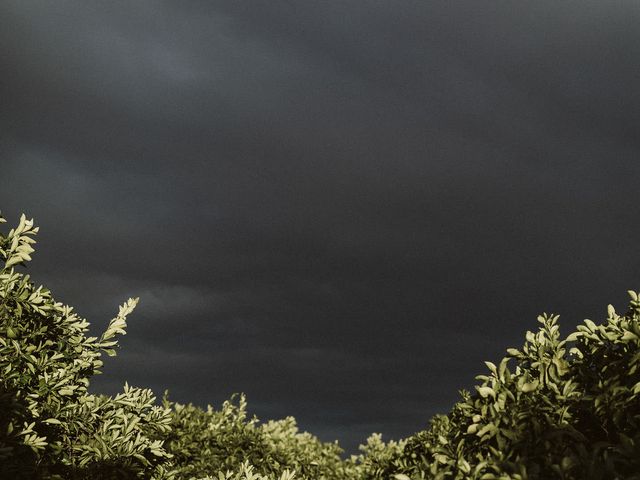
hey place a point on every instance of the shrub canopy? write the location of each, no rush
(569, 409)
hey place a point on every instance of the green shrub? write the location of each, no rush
(206, 441)
(570, 409)
(50, 426)
(305, 453)
(565, 414)
(377, 458)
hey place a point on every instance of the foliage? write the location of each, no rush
(570, 409)
(376, 459)
(304, 452)
(565, 414)
(246, 472)
(50, 426)
(202, 441)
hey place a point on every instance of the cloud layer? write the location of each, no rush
(339, 208)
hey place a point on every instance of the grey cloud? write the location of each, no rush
(364, 196)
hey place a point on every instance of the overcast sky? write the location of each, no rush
(340, 208)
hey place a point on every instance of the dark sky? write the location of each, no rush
(340, 208)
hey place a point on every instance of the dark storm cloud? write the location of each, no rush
(339, 208)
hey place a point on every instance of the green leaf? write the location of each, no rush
(401, 476)
(574, 336)
(486, 391)
(491, 366)
(590, 324)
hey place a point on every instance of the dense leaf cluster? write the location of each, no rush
(202, 441)
(559, 414)
(50, 426)
(569, 409)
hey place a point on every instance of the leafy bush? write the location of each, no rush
(569, 410)
(202, 441)
(376, 459)
(566, 414)
(305, 453)
(50, 426)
